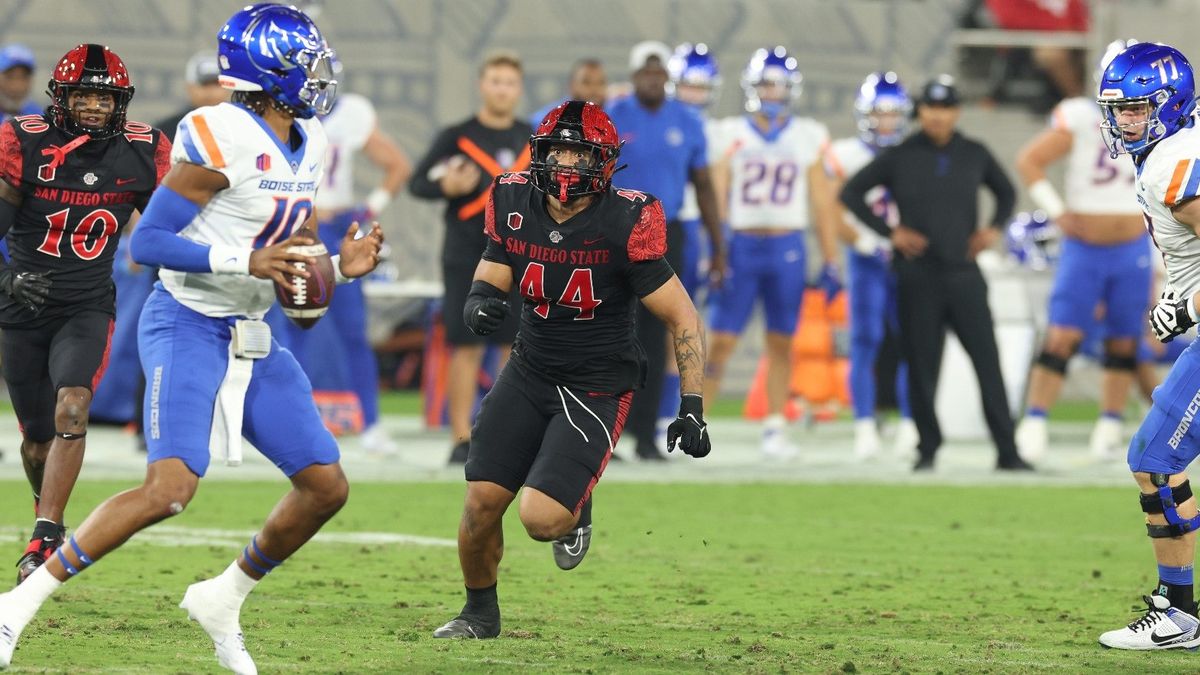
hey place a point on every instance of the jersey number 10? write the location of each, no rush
(85, 230)
(288, 212)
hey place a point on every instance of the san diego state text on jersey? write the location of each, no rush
(77, 195)
(580, 280)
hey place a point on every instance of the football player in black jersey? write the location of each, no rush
(582, 253)
(69, 181)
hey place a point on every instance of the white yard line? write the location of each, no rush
(176, 535)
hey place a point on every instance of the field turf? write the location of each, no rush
(681, 577)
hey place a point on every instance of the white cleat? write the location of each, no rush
(206, 607)
(1162, 627)
(375, 440)
(10, 631)
(866, 438)
(1032, 438)
(1107, 439)
(775, 445)
(907, 438)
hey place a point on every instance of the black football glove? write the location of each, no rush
(1170, 316)
(485, 309)
(689, 431)
(27, 288)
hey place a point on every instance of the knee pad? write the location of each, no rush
(1051, 362)
(1166, 501)
(1114, 362)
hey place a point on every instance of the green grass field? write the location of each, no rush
(728, 578)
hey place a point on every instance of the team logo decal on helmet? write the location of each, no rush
(89, 67)
(278, 50)
(584, 127)
(1147, 93)
(882, 110)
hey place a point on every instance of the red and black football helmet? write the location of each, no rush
(89, 66)
(577, 123)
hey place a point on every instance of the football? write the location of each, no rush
(313, 294)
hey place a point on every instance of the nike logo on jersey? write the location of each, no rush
(124, 181)
(313, 166)
(589, 242)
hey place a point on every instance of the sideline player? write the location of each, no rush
(881, 113)
(1147, 96)
(243, 178)
(71, 179)
(1104, 258)
(351, 127)
(768, 174)
(581, 252)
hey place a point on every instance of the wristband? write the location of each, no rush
(1046, 197)
(691, 404)
(226, 259)
(338, 277)
(378, 200)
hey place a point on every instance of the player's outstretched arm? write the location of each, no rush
(672, 305)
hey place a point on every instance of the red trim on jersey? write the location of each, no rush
(648, 240)
(11, 159)
(162, 157)
(103, 359)
(489, 219)
(619, 424)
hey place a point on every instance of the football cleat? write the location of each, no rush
(1106, 441)
(375, 440)
(215, 615)
(775, 445)
(907, 438)
(460, 452)
(1162, 627)
(461, 627)
(570, 548)
(866, 438)
(36, 555)
(10, 629)
(1032, 438)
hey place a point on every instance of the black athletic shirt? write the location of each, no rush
(74, 206)
(580, 280)
(494, 151)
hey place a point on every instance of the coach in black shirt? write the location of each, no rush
(934, 177)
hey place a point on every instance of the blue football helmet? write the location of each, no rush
(694, 66)
(774, 69)
(882, 94)
(278, 50)
(1032, 240)
(1149, 79)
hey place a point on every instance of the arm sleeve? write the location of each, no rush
(421, 185)
(494, 251)
(156, 239)
(854, 192)
(998, 182)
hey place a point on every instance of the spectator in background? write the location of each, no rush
(351, 127)
(16, 81)
(934, 176)
(587, 82)
(665, 149)
(203, 89)
(459, 168)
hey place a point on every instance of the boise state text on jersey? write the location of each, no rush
(78, 195)
(577, 320)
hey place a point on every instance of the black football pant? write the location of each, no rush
(932, 298)
(652, 334)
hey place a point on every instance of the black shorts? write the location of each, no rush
(457, 280)
(71, 351)
(549, 437)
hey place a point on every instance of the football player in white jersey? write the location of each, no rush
(768, 175)
(351, 127)
(244, 176)
(1105, 258)
(881, 113)
(1147, 96)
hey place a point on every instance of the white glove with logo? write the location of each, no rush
(1170, 317)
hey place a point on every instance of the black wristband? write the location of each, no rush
(480, 287)
(691, 404)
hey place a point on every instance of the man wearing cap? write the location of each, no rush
(665, 149)
(203, 89)
(934, 177)
(16, 79)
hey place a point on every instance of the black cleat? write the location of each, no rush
(458, 455)
(464, 628)
(1014, 464)
(648, 453)
(570, 548)
(36, 555)
(924, 464)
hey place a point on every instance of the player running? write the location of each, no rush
(581, 252)
(1147, 95)
(243, 178)
(769, 170)
(69, 181)
(881, 113)
(1104, 258)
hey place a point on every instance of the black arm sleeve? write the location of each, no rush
(854, 192)
(648, 276)
(420, 185)
(997, 181)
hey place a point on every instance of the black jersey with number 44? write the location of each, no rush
(580, 280)
(77, 195)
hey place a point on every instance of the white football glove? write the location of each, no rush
(1170, 317)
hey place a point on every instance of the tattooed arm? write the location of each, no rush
(671, 304)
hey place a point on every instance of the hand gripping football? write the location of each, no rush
(313, 294)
